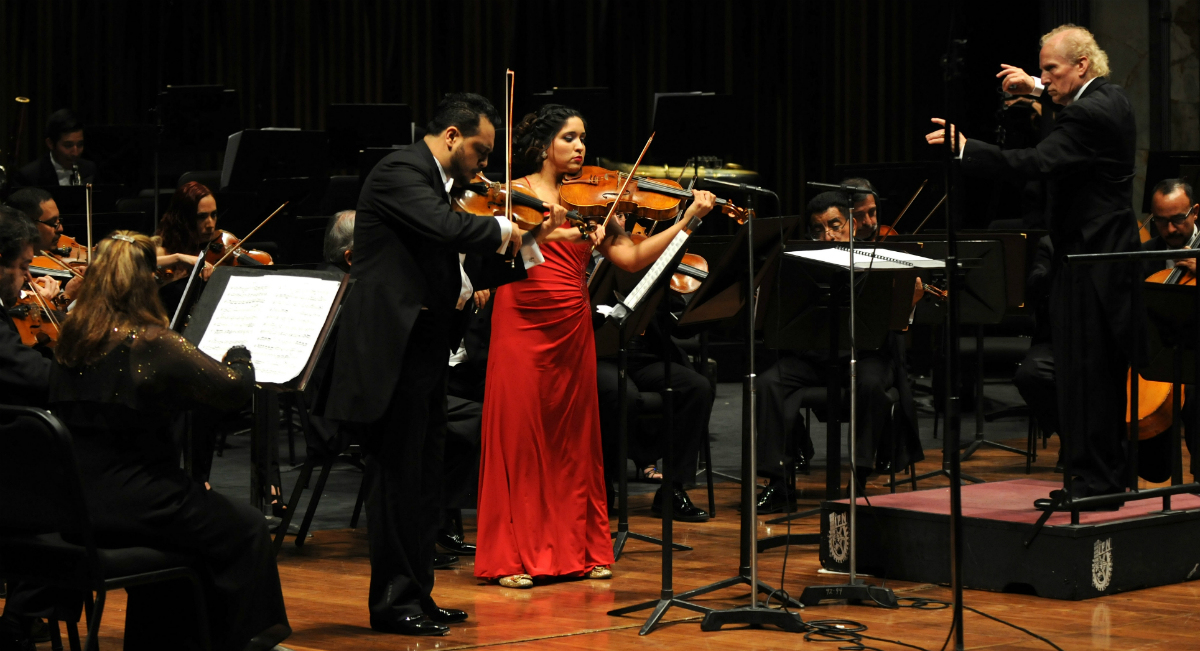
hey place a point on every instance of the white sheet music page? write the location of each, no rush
(883, 259)
(278, 318)
(639, 291)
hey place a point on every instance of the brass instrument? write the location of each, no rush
(728, 172)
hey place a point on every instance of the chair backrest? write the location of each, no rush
(40, 487)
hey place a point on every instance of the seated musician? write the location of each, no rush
(865, 210)
(39, 206)
(63, 162)
(24, 377)
(184, 232)
(693, 401)
(779, 408)
(120, 381)
(1173, 209)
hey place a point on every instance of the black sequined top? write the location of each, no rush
(126, 402)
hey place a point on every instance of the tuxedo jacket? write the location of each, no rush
(24, 373)
(40, 173)
(406, 245)
(1086, 161)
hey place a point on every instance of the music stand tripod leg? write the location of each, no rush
(622, 535)
(667, 597)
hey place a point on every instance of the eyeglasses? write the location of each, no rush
(1175, 220)
(832, 226)
(52, 223)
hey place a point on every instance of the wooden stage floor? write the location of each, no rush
(325, 586)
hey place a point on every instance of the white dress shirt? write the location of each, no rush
(530, 254)
(64, 174)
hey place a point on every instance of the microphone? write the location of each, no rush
(744, 187)
(841, 188)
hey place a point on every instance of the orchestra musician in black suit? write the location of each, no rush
(63, 162)
(1087, 162)
(24, 378)
(779, 404)
(396, 332)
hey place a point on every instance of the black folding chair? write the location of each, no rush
(46, 534)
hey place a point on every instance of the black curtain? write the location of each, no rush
(817, 82)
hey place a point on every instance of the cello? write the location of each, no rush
(1155, 399)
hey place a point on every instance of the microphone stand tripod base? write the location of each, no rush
(851, 593)
(754, 617)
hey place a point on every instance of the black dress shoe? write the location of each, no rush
(683, 510)
(442, 561)
(773, 499)
(447, 615)
(415, 625)
(454, 543)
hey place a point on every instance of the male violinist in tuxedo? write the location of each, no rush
(1086, 161)
(389, 367)
(63, 162)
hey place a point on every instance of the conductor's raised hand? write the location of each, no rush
(939, 137)
(1015, 80)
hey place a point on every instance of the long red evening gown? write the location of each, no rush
(542, 505)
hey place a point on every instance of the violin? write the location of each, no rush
(66, 260)
(1155, 399)
(692, 269)
(35, 321)
(595, 192)
(224, 248)
(487, 198)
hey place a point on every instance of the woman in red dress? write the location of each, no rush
(542, 505)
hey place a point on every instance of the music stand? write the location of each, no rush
(193, 119)
(608, 286)
(354, 127)
(369, 157)
(729, 288)
(264, 434)
(676, 118)
(629, 311)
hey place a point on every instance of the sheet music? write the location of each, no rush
(882, 259)
(639, 291)
(278, 318)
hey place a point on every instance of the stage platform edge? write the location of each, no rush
(906, 537)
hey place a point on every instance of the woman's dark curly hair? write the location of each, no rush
(533, 135)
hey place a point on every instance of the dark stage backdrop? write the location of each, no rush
(817, 83)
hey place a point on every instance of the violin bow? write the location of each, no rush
(250, 234)
(935, 208)
(906, 207)
(87, 192)
(510, 85)
(625, 185)
(41, 303)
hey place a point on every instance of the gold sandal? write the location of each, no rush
(599, 572)
(520, 581)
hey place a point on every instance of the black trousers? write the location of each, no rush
(403, 458)
(1091, 365)
(693, 400)
(464, 424)
(1034, 380)
(158, 506)
(778, 407)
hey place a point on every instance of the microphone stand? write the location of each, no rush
(854, 590)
